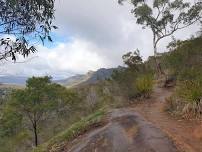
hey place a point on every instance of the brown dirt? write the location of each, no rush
(187, 134)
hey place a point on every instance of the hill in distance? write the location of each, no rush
(14, 80)
(89, 78)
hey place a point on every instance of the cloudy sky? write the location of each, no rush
(92, 34)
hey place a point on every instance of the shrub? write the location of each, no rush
(174, 105)
(186, 54)
(126, 80)
(187, 100)
(191, 93)
(144, 85)
(184, 62)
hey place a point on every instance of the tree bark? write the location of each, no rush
(158, 65)
(155, 52)
(35, 134)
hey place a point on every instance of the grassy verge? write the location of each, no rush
(55, 143)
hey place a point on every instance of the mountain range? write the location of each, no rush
(11, 79)
(89, 78)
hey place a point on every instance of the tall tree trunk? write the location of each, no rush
(155, 52)
(157, 63)
(35, 134)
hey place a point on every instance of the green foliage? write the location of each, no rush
(126, 80)
(24, 18)
(39, 97)
(72, 132)
(144, 85)
(184, 61)
(190, 91)
(65, 107)
(190, 86)
(164, 18)
(134, 84)
(10, 122)
(133, 60)
(135, 80)
(184, 55)
(143, 13)
(33, 106)
(99, 95)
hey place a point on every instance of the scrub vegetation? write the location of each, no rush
(184, 63)
(45, 116)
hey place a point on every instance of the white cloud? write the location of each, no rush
(77, 56)
(101, 31)
(109, 26)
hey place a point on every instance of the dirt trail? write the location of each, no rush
(127, 131)
(184, 133)
(144, 127)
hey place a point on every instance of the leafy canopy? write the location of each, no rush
(164, 17)
(37, 102)
(23, 19)
(133, 59)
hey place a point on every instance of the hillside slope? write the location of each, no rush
(91, 77)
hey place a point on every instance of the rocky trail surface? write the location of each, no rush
(144, 127)
(127, 131)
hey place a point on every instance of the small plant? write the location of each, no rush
(191, 93)
(144, 85)
(174, 106)
(187, 100)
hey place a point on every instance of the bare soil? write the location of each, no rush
(187, 134)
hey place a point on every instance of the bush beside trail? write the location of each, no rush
(184, 62)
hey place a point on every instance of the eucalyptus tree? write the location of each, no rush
(165, 17)
(22, 19)
(133, 60)
(37, 101)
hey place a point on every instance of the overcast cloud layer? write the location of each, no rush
(96, 34)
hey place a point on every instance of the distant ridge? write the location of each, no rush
(17, 80)
(89, 78)
(74, 80)
(101, 74)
